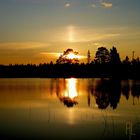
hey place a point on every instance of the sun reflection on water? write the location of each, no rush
(71, 88)
(69, 93)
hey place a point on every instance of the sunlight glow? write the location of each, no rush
(71, 89)
(71, 33)
(72, 56)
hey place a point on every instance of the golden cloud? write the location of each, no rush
(67, 5)
(107, 4)
(22, 45)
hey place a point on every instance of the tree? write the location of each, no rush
(88, 57)
(135, 61)
(114, 56)
(69, 56)
(126, 60)
(102, 56)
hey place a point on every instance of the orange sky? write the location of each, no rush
(35, 31)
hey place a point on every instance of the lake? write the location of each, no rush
(69, 109)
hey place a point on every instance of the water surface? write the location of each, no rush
(69, 109)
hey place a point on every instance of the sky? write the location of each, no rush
(38, 31)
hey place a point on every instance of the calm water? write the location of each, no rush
(69, 109)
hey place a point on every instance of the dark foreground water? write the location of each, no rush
(69, 109)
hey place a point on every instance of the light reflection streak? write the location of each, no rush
(71, 90)
(71, 33)
(69, 93)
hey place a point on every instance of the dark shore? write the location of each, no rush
(121, 71)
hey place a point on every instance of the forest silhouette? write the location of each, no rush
(106, 64)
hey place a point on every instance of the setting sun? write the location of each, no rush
(72, 56)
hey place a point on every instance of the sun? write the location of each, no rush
(71, 56)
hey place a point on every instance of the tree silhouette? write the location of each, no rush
(126, 89)
(102, 94)
(115, 92)
(135, 89)
(114, 56)
(88, 57)
(102, 56)
(68, 101)
(126, 60)
(107, 92)
(65, 57)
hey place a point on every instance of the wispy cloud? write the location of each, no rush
(93, 5)
(53, 54)
(67, 5)
(22, 45)
(106, 4)
(98, 44)
(102, 3)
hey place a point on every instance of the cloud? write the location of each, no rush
(101, 4)
(67, 5)
(106, 4)
(98, 44)
(53, 54)
(22, 45)
(93, 5)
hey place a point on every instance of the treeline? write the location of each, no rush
(108, 70)
(107, 64)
